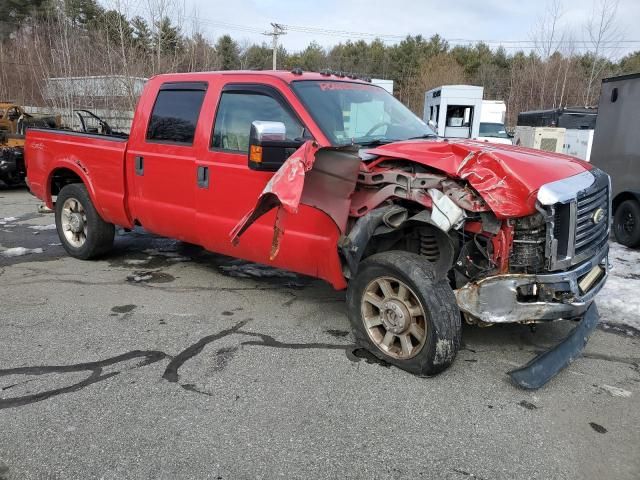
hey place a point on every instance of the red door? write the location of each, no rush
(309, 243)
(161, 162)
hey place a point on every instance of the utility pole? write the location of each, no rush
(277, 31)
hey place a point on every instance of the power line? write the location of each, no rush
(507, 44)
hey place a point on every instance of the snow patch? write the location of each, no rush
(619, 301)
(133, 261)
(44, 227)
(169, 255)
(19, 251)
(142, 277)
(9, 219)
(615, 391)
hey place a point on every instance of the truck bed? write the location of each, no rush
(98, 160)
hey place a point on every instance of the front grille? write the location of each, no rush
(579, 227)
(589, 205)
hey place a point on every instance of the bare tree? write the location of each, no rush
(547, 38)
(602, 36)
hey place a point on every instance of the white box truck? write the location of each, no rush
(492, 127)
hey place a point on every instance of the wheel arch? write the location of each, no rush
(383, 229)
(623, 196)
(64, 174)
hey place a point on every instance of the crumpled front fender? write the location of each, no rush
(320, 177)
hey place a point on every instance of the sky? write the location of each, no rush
(490, 20)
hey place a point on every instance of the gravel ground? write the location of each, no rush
(163, 361)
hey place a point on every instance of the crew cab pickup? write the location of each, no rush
(334, 178)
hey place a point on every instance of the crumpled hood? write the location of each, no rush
(507, 177)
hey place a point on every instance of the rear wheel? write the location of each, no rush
(82, 232)
(402, 314)
(626, 223)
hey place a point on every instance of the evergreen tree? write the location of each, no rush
(13, 13)
(167, 37)
(257, 57)
(630, 63)
(312, 58)
(228, 53)
(142, 37)
(117, 28)
(83, 13)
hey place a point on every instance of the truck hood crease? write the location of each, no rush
(506, 177)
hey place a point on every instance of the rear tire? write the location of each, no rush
(83, 233)
(626, 223)
(403, 314)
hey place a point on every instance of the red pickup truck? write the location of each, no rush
(332, 177)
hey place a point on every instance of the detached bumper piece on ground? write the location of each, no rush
(545, 366)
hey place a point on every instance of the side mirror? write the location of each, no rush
(268, 131)
(433, 125)
(268, 145)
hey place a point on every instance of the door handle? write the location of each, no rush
(203, 177)
(139, 165)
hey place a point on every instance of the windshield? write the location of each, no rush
(495, 130)
(356, 113)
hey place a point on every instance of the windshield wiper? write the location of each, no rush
(385, 141)
(426, 135)
(377, 141)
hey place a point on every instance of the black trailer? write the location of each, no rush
(616, 149)
(579, 118)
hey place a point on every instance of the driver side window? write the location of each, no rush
(237, 110)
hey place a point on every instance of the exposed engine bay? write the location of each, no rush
(499, 265)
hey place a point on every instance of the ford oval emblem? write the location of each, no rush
(598, 216)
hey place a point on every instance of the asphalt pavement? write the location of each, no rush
(163, 361)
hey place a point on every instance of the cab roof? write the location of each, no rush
(284, 75)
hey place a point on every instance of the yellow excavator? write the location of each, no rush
(14, 122)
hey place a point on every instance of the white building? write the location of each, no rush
(93, 87)
(386, 84)
(455, 109)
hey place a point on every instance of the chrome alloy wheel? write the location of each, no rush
(394, 318)
(74, 222)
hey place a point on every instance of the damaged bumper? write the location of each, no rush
(523, 297)
(545, 366)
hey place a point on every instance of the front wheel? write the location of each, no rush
(626, 223)
(82, 232)
(402, 314)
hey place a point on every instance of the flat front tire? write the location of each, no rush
(403, 314)
(82, 231)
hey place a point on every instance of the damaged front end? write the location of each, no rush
(508, 257)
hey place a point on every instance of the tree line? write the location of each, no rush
(69, 38)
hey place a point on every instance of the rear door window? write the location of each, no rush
(175, 113)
